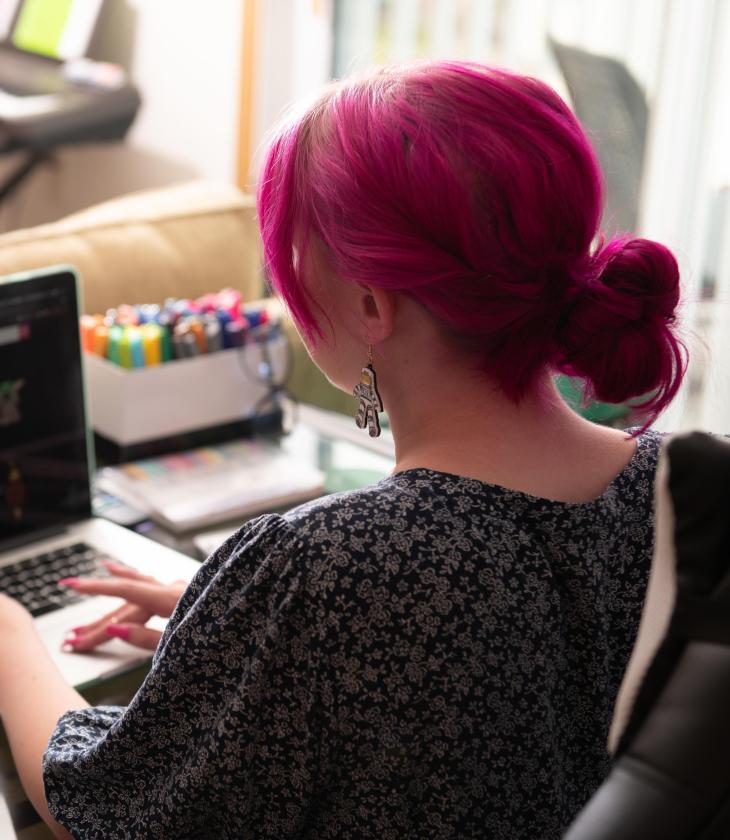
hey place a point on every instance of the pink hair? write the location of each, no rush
(476, 191)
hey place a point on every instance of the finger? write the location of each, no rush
(115, 615)
(118, 570)
(95, 631)
(135, 634)
(90, 639)
(156, 598)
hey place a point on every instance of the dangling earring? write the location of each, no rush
(370, 403)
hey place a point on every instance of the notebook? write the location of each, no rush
(214, 484)
(47, 530)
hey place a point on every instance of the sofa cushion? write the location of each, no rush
(179, 241)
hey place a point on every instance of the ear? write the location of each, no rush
(376, 311)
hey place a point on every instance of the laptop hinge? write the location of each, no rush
(34, 537)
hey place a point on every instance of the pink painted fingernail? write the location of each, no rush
(70, 644)
(119, 631)
(72, 581)
(77, 629)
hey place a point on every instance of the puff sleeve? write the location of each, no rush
(222, 738)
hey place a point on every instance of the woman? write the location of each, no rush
(437, 655)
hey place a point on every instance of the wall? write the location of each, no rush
(185, 57)
(293, 60)
(185, 51)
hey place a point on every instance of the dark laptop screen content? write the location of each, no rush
(44, 471)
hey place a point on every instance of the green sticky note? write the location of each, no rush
(41, 26)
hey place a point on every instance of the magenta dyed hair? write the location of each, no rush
(477, 192)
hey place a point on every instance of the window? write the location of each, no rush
(648, 80)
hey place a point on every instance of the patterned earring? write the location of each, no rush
(370, 403)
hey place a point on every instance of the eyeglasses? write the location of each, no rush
(268, 360)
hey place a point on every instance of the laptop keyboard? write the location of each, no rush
(34, 580)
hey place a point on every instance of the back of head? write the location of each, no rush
(475, 191)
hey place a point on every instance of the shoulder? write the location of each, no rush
(260, 557)
(297, 544)
(631, 493)
(643, 464)
(649, 444)
(379, 503)
(287, 570)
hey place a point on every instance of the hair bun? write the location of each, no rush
(641, 274)
(618, 332)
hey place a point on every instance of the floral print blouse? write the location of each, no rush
(431, 657)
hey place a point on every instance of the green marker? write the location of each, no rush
(125, 350)
(167, 354)
(112, 351)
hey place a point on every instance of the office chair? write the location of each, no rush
(671, 779)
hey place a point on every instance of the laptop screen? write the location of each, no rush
(55, 28)
(44, 462)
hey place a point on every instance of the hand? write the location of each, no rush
(144, 598)
(13, 615)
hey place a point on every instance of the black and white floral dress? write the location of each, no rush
(432, 657)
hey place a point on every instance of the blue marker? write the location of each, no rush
(234, 333)
(253, 316)
(135, 346)
(223, 318)
(148, 312)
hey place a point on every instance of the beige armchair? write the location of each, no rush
(178, 241)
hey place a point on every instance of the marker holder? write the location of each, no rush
(132, 407)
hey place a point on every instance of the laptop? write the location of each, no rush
(37, 38)
(47, 530)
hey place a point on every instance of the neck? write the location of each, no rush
(470, 415)
(462, 424)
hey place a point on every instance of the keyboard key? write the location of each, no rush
(34, 580)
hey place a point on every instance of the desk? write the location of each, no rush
(348, 458)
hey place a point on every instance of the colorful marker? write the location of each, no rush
(151, 343)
